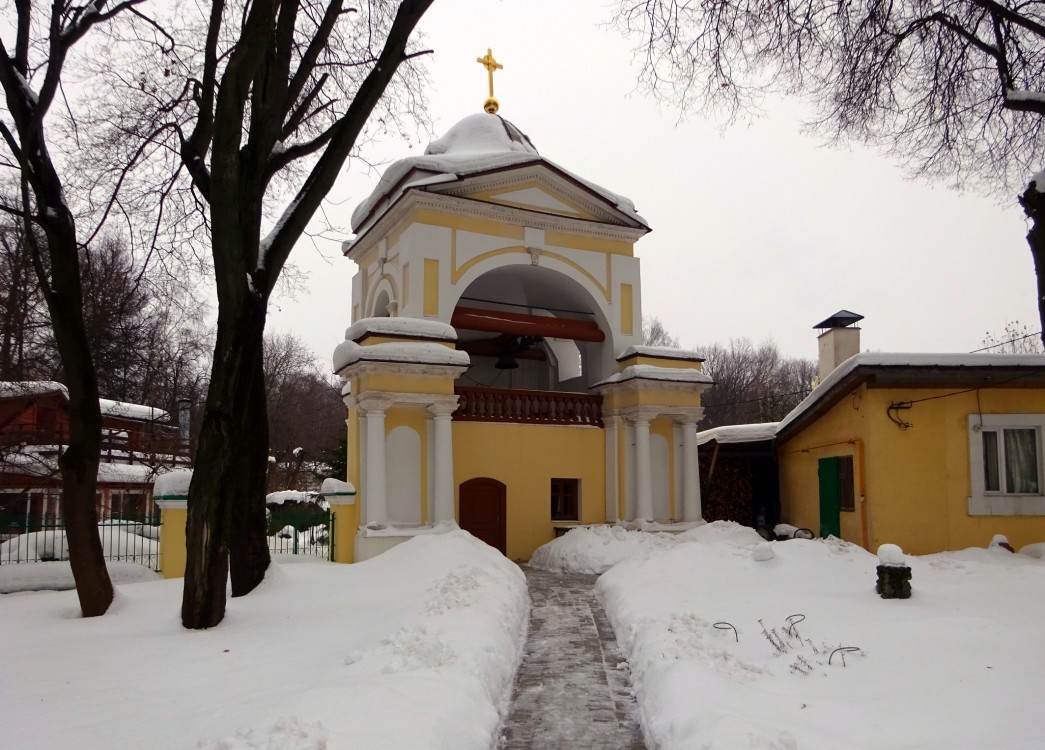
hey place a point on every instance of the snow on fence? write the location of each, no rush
(122, 540)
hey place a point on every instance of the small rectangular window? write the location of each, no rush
(565, 500)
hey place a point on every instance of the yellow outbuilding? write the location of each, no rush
(931, 452)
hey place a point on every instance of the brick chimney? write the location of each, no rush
(838, 341)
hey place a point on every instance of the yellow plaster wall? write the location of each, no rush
(917, 480)
(402, 383)
(346, 524)
(525, 458)
(172, 542)
(430, 305)
(650, 395)
(627, 312)
(674, 364)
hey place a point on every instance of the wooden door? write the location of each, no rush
(482, 511)
(830, 497)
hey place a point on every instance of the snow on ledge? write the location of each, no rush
(738, 433)
(411, 327)
(652, 372)
(172, 485)
(443, 527)
(420, 353)
(667, 352)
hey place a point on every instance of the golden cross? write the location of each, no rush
(490, 105)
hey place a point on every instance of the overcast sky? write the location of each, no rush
(758, 230)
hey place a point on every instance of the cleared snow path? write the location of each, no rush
(572, 687)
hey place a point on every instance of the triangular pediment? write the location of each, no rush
(542, 188)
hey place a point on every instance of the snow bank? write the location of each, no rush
(416, 648)
(947, 668)
(132, 541)
(58, 576)
(723, 532)
(595, 549)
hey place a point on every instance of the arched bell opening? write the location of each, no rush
(532, 328)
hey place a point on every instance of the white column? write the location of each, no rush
(374, 493)
(643, 477)
(612, 502)
(691, 510)
(443, 506)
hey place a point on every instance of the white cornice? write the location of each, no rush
(416, 199)
(370, 367)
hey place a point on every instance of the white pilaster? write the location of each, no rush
(443, 462)
(612, 495)
(374, 493)
(643, 477)
(691, 505)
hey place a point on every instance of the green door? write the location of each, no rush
(830, 497)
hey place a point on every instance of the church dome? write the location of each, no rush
(481, 133)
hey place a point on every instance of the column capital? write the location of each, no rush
(373, 405)
(444, 407)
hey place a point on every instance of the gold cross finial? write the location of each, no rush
(491, 105)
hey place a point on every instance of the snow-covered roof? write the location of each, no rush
(28, 388)
(652, 372)
(416, 328)
(128, 473)
(738, 433)
(957, 363)
(422, 353)
(13, 389)
(479, 143)
(665, 352)
(131, 411)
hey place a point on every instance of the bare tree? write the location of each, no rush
(258, 101)
(752, 384)
(655, 334)
(1016, 338)
(24, 354)
(31, 71)
(306, 415)
(954, 88)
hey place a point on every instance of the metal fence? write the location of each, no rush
(301, 530)
(130, 539)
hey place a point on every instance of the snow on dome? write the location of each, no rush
(481, 133)
(416, 328)
(891, 556)
(421, 353)
(479, 143)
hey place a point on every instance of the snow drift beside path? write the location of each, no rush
(595, 549)
(416, 648)
(949, 668)
(58, 576)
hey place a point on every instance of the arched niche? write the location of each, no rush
(403, 483)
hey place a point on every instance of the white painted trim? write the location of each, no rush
(983, 503)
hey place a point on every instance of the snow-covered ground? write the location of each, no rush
(958, 665)
(413, 649)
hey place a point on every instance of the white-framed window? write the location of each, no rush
(1006, 464)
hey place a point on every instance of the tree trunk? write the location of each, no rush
(226, 514)
(79, 463)
(1033, 204)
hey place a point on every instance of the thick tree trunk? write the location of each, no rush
(226, 515)
(79, 463)
(1033, 203)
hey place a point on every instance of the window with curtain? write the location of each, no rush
(1011, 461)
